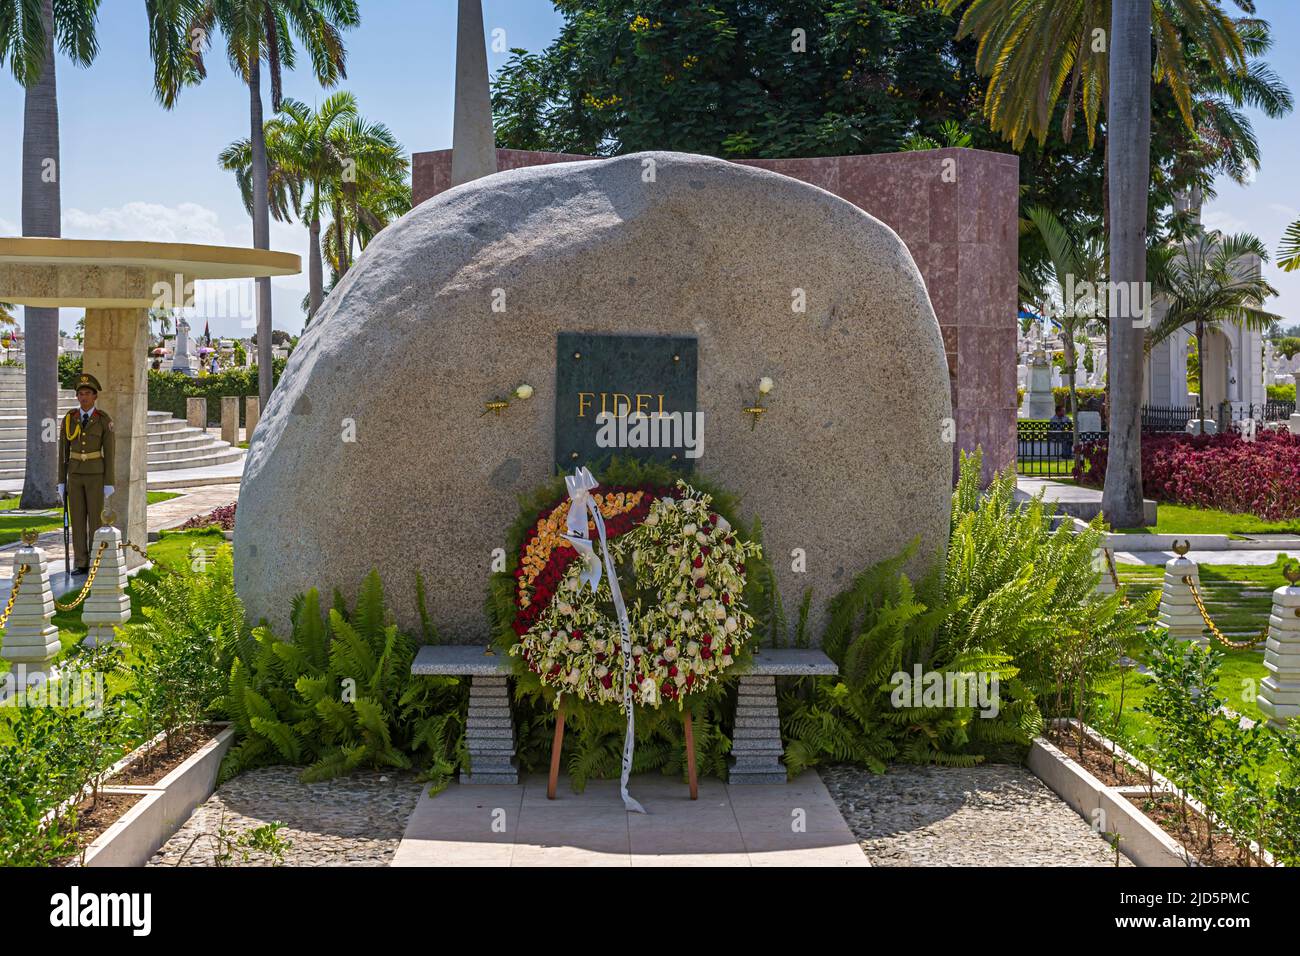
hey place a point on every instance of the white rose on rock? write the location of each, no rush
(524, 391)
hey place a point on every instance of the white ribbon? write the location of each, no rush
(580, 486)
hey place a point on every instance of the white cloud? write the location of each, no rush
(154, 222)
(1223, 221)
(1289, 213)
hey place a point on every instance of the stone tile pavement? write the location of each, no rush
(793, 824)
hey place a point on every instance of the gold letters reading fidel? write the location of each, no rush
(623, 403)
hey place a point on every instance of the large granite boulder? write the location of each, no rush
(374, 452)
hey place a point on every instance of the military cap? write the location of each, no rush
(86, 380)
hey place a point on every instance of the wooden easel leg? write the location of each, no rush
(557, 744)
(690, 755)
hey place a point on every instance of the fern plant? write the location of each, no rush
(1012, 592)
(338, 696)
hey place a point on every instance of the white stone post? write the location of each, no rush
(1101, 563)
(29, 637)
(1279, 696)
(107, 605)
(196, 412)
(252, 412)
(230, 419)
(1178, 611)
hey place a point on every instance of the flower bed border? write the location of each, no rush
(164, 806)
(1142, 840)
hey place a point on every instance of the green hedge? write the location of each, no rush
(1281, 393)
(168, 390)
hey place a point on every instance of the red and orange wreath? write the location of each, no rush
(688, 618)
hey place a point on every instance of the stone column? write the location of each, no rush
(29, 637)
(1295, 418)
(1279, 696)
(196, 412)
(756, 741)
(107, 605)
(490, 733)
(230, 419)
(116, 345)
(252, 412)
(473, 143)
(1178, 610)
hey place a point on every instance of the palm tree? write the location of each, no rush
(1030, 49)
(1288, 257)
(337, 162)
(1078, 270)
(1128, 113)
(1209, 280)
(254, 30)
(28, 34)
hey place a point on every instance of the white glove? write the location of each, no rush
(60, 491)
(108, 491)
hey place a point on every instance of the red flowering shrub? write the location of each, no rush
(223, 516)
(1261, 478)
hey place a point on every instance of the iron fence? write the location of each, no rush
(1048, 450)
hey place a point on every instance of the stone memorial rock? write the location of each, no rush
(374, 450)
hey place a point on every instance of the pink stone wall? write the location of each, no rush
(961, 229)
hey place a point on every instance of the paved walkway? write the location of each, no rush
(794, 824)
(164, 514)
(988, 815)
(1231, 556)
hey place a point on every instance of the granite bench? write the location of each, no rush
(756, 750)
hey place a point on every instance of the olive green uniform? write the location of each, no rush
(85, 466)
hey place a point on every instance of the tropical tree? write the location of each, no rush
(255, 30)
(1077, 266)
(29, 32)
(1031, 50)
(333, 161)
(1210, 280)
(1288, 256)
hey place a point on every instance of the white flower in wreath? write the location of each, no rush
(598, 647)
(575, 646)
(701, 537)
(601, 670)
(687, 615)
(689, 529)
(649, 692)
(564, 607)
(731, 625)
(722, 524)
(693, 649)
(680, 679)
(670, 654)
(719, 612)
(651, 519)
(572, 676)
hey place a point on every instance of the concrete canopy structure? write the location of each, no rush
(117, 283)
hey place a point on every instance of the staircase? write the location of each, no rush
(173, 444)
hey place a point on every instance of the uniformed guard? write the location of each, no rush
(85, 467)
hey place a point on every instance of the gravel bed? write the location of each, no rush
(989, 815)
(351, 821)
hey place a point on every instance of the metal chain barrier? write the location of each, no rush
(13, 594)
(1213, 628)
(90, 579)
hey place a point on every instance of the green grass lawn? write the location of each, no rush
(172, 550)
(1238, 598)
(12, 525)
(1185, 519)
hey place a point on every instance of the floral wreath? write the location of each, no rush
(685, 557)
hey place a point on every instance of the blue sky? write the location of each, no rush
(132, 170)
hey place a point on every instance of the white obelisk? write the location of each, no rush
(473, 145)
